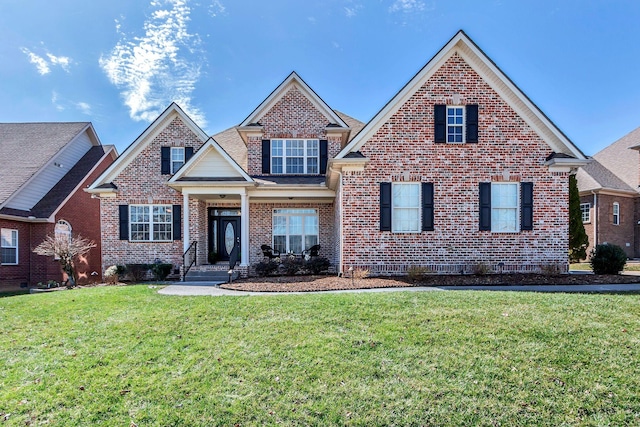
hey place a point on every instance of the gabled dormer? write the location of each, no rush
(292, 132)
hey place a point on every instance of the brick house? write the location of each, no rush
(41, 193)
(609, 195)
(459, 169)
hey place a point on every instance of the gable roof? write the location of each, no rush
(226, 168)
(130, 153)
(293, 80)
(488, 70)
(595, 177)
(622, 158)
(31, 146)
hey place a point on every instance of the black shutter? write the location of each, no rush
(427, 206)
(385, 206)
(165, 160)
(472, 123)
(324, 156)
(440, 123)
(188, 153)
(266, 156)
(485, 206)
(526, 206)
(177, 222)
(124, 221)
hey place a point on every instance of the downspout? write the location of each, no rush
(340, 243)
(595, 218)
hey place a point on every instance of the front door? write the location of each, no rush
(224, 235)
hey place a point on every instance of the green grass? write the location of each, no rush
(122, 355)
(585, 266)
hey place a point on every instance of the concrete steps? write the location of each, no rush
(210, 273)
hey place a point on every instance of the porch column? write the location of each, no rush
(244, 229)
(185, 221)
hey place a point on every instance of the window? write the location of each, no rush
(62, 231)
(177, 158)
(294, 156)
(616, 213)
(8, 246)
(504, 207)
(150, 223)
(585, 208)
(455, 124)
(405, 216)
(294, 230)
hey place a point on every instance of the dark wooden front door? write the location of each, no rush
(224, 235)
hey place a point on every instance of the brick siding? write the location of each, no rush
(403, 150)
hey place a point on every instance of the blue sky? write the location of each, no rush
(120, 63)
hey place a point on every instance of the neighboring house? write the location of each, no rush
(459, 171)
(609, 197)
(46, 167)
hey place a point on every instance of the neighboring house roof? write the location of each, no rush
(595, 177)
(487, 69)
(31, 146)
(622, 158)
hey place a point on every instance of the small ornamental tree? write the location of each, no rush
(66, 249)
(578, 239)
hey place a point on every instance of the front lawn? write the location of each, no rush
(127, 356)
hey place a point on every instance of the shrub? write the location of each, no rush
(291, 265)
(360, 273)
(481, 269)
(266, 268)
(416, 272)
(161, 270)
(137, 272)
(317, 265)
(607, 259)
(111, 275)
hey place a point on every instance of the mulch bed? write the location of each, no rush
(332, 283)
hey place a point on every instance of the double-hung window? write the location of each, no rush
(616, 213)
(294, 230)
(150, 223)
(405, 216)
(8, 246)
(504, 207)
(455, 124)
(295, 156)
(585, 209)
(177, 158)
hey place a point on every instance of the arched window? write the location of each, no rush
(62, 231)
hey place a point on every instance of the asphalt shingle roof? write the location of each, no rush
(621, 160)
(28, 147)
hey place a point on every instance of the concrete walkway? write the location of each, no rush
(212, 289)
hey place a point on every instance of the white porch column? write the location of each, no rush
(185, 221)
(244, 229)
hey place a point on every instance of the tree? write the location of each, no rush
(66, 249)
(578, 239)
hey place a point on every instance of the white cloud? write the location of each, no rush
(350, 12)
(43, 65)
(84, 108)
(216, 8)
(38, 61)
(407, 6)
(158, 67)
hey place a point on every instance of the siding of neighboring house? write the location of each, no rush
(141, 182)
(51, 174)
(12, 276)
(403, 150)
(621, 234)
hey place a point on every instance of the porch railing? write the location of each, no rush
(189, 257)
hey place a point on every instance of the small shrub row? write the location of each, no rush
(290, 266)
(137, 272)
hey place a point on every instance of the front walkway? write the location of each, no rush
(211, 289)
